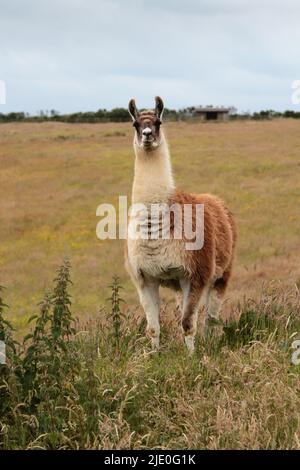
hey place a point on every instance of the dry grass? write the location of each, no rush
(54, 175)
(238, 391)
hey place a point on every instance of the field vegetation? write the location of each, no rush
(97, 385)
(79, 371)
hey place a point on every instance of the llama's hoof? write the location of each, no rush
(155, 344)
(190, 343)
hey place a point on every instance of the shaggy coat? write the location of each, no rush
(201, 275)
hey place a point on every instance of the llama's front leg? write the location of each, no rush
(149, 298)
(194, 299)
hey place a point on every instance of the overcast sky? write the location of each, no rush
(84, 55)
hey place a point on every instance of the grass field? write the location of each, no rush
(98, 386)
(54, 175)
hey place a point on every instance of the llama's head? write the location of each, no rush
(147, 124)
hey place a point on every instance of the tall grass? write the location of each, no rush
(97, 385)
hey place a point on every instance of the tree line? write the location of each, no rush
(121, 115)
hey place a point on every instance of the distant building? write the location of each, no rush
(210, 113)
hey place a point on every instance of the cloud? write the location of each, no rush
(85, 54)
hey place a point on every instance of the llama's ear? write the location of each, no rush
(133, 110)
(159, 107)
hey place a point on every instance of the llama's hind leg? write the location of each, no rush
(193, 300)
(149, 298)
(214, 306)
(215, 300)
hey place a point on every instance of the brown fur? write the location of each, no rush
(212, 264)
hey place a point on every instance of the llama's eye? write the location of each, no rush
(136, 125)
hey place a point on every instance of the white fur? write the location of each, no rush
(153, 183)
(155, 258)
(190, 343)
(153, 179)
(147, 131)
(149, 298)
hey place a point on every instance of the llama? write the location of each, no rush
(200, 276)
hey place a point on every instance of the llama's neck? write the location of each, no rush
(153, 179)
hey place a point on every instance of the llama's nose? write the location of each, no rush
(147, 132)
